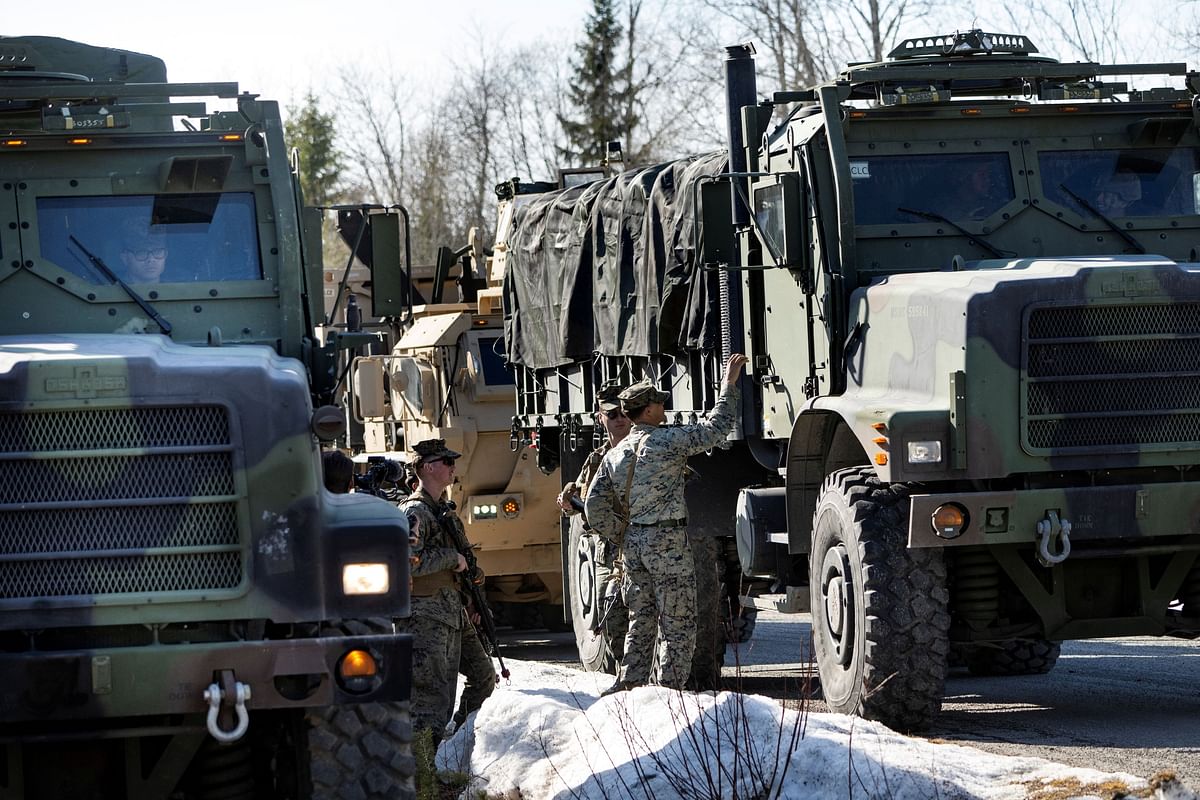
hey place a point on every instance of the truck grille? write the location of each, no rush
(1120, 378)
(117, 501)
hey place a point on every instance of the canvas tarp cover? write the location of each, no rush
(610, 268)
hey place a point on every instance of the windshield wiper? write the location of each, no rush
(99, 264)
(972, 238)
(1114, 227)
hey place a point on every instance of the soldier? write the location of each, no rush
(643, 478)
(616, 425)
(444, 640)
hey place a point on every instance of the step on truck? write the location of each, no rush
(185, 611)
(967, 281)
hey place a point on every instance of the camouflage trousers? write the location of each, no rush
(660, 592)
(435, 658)
(476, 665)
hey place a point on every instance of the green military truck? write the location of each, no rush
(967, 280)
(185, 611)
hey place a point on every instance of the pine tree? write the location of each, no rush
(312, 133)
(600, 92)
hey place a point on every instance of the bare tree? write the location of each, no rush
(1087, 30)
(377, 138)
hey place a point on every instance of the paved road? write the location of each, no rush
(1121, 705)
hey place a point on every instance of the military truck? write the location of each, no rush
(185, 611)
(438, 371)
(967, 281)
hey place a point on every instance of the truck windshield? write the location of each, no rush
(1154, 182)
(175, 238)
(960, 187)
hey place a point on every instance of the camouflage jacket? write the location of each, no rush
(586, 473)
(437, 551)
(656, 493)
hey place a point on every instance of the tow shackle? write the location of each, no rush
(1050, 530)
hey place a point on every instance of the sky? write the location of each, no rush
(548, 734)
(280, 49)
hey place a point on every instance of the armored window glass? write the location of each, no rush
(491, 357)
(1146, 182)
(768, 212)
(961, 187)
(176, 238)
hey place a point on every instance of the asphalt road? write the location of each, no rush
(1117, 705)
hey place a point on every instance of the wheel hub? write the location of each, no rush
(836, 589)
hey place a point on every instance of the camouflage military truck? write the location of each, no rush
(967, 281)
(439, 372)
(185, 611)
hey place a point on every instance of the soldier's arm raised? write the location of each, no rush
(689, 439)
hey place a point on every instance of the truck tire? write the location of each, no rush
(586, 576)
(1014, 657)
(880, 620)
(362, 750)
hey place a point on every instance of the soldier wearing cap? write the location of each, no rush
(659, 583)
(444, 641)
(616, 427)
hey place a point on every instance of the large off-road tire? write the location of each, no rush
(1014, 657)
(586, 576)
(879, 609)
(361, 750)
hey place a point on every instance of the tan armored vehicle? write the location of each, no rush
(439, 371)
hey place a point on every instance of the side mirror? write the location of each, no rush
(780, 214)
(718, 244)
(389, 273)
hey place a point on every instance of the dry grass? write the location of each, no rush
(1068, 788)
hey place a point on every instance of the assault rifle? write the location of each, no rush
(472, 584)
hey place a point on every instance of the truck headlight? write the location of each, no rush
(929, 452)
(365, 579)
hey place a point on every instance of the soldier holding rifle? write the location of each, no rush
(444, 636)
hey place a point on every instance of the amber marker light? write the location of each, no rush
(949, 520)
(1020, 110)
(881, 459)
(232, 137)
(510, 507)
(971, 112)
(15, 142)
(358, 664)
(79, 140)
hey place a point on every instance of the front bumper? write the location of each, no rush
(1132, 513)
(171, 679)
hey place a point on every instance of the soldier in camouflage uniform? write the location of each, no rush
(659, 585)
(438, 619)
(616, 426)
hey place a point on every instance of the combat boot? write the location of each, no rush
(618, 686)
